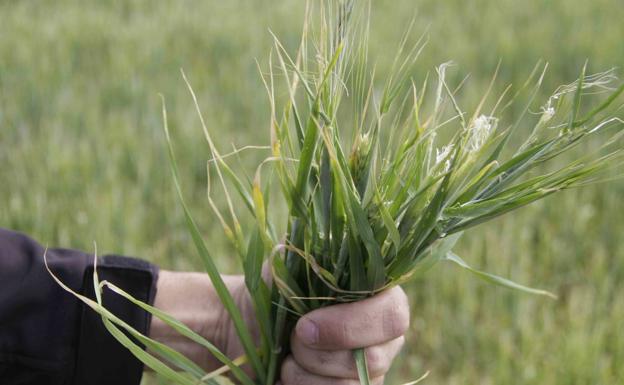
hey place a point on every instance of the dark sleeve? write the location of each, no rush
(46, 335)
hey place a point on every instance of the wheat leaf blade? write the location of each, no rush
(492, 278)
(211, 268)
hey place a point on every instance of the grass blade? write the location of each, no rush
(185, 331)
(211, 268)
(577, 98)
(491, 278)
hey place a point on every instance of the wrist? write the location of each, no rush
(191, 298)
(179, 295)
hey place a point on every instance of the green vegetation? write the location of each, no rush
(83, 158)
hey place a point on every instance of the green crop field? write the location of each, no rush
(83, 158)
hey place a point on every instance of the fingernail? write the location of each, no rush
(307, 331)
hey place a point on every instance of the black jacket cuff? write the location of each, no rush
(47, 336)
(100, 358)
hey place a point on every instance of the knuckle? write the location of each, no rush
(378, 361)
(397, 319)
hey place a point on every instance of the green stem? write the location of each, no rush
(362, 366)
(276, 349)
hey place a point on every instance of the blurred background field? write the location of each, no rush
(82, 158)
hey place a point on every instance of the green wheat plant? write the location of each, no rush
(380, 177)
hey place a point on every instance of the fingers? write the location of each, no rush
(322, 340)
(293, 374)
(372, 321)
(340, 363)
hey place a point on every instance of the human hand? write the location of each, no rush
(322, 341)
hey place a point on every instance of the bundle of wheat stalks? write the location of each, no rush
(418, 171)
